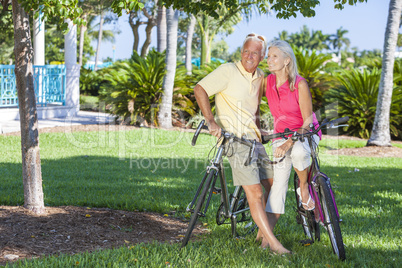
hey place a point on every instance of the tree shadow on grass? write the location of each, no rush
(130, 185)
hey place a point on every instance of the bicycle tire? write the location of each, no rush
(242, 224)
(197, 209)
(306, 219)
(331, 219)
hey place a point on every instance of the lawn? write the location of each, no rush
(157, 170)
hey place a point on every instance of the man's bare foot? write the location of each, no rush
(280, 250)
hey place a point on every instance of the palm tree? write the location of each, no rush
(319, 41)
(284, 35)
(189, 43)
(380, 135)
(161, 28)
(133, 88)
(339, 40)
(95, 32)
(165, 111)
(209, 27)
(310, 65)
(314, 40)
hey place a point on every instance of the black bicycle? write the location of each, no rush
(326, 212)
(233, 206)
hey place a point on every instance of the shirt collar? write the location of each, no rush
(243, 71)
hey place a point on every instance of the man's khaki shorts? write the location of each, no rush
(258, 169)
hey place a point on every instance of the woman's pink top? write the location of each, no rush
(284, 105)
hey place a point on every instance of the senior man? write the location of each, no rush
(238, 90)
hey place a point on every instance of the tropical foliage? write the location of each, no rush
(356, 97)
(309, 40)
(310, 65)
(184, 93)
(92, 81)
(6, 37)
(133, 88)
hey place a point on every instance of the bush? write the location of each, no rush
(356, 97)
(310, 65)
(133, 88)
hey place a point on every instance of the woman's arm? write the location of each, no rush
(305, 104)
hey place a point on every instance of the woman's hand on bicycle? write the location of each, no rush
(281, 150)
(214, 129)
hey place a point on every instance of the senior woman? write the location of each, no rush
(290, 103)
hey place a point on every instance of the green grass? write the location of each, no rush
(157, 170)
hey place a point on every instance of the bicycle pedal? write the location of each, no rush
(298, 219)
(216, 190)
(306, 242)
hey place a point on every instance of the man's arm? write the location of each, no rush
(203, 102)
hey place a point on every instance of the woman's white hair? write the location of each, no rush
(258, 38)
(292, 66)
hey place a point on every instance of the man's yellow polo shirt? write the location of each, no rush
(237, 96)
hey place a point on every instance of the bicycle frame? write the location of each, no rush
(217, 167)
(313, 174)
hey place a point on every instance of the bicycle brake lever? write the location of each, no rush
(338, 126)
(250, 155)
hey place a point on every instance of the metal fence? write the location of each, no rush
(49, 85)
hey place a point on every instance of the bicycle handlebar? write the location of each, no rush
(313, 131)
(227, 135)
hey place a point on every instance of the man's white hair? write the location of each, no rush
(258, 38)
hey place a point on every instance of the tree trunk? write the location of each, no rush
(82, 38)
(380, 136)
(31, 165)
(189, 44)
(165, 111)
(134, 28)
(99, 41)
(204, 39)
(161, 29)
(148, 31)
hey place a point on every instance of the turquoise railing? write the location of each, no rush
(49, 85)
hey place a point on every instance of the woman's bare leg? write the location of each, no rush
(304, 188)
(254, 196)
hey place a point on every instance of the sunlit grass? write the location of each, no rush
(157, 170)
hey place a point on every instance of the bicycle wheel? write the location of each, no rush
(197, 209)
(306, 218)
(331, 219)
(242, 223)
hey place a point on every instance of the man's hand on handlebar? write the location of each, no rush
(214, 129)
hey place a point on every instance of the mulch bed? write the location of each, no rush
(73, 230)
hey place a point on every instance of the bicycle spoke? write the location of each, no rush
(331, 221)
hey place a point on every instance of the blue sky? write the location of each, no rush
(365, 22)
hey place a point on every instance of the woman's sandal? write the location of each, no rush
(305, 205)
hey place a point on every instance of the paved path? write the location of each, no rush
(82, 118)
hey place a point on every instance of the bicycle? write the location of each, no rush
(233, 206)
(326, 212)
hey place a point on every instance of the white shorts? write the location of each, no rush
(299, 157)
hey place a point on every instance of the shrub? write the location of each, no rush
(356, 97)
(134, 88)
(310, 65)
